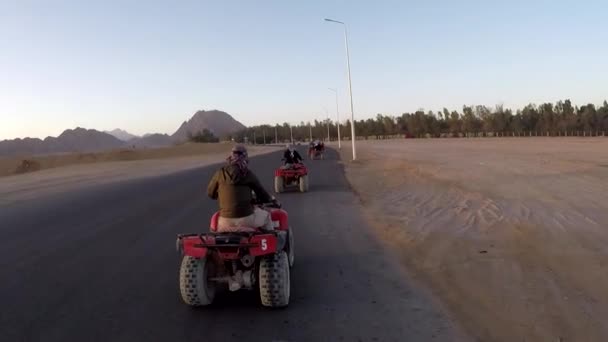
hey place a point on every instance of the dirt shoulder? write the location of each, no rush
(19, 165)
(510, 234)
(74, 176)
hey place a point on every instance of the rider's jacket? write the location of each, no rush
(233, 191)
(292, 157)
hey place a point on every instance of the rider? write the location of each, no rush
(291, 156)
(232, 186)
(311, 146)
(319, 145)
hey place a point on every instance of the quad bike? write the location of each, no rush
(252, 260)
(297, 176)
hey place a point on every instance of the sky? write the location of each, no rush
(147, 66)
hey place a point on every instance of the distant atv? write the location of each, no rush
(316, 152)
(251, 259)
(294, 177)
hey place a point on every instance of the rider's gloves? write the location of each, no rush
(275, 202)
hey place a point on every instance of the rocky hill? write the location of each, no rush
(71, 140)
(121, 134)
(89, 140)
(218, 122)
(151, 140)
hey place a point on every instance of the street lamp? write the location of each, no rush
(337, 116)
(350, 90)
(328, 123)
(310, 130)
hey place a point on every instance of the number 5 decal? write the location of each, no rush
(264, 245)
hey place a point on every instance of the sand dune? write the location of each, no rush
(512, 234)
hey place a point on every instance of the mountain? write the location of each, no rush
(218, 122)
(90, 140)
(71, 140)
(152, 140)
(121, 134)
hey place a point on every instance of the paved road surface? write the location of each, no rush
(100, 264)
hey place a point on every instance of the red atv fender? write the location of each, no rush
(298, 170)
(228, 246)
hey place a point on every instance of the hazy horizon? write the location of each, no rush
(147, 68)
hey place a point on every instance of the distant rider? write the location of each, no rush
(231, 186)
(291, 156)
(319, 145)
(311, 147)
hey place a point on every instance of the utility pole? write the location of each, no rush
(328, 122)
(337, 117)
(350, 89)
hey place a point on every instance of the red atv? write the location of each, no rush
(252, 259)
(296, 176)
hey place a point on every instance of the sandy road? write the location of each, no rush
(99, 264)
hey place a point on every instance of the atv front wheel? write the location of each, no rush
(194, 284)
(278, 184)
(303, 183)
(275, 286)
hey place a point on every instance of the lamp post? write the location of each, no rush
(337, 117)
(350, 90)
(328, 123)
(310, 130)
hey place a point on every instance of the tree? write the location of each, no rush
(589, 117)
(547, 117)
(470, 123)
(204, 136)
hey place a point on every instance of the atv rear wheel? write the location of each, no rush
(278, 184)
(303, 183)
(290, 248)
(274, 280)
(194, 284)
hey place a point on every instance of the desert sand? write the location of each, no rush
(65, 173)
(510, 234)
(17, 165)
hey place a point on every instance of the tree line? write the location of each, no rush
(204, 136)
(547, 119)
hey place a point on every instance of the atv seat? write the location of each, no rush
(278, 217)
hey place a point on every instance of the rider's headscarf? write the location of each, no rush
(239, 158)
